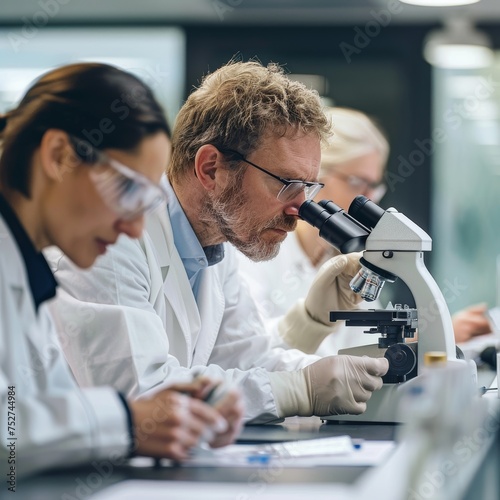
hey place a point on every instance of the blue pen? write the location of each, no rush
(357, 444)
(259, 459)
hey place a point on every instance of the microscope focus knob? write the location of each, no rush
(402, 361)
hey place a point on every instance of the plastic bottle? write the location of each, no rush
(433, 405)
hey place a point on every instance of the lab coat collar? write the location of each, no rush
(176, 286)
(41, 280)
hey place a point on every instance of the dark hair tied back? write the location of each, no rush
(98, 103)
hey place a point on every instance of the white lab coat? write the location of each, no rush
(278, 283)
(56, 423)
(132, 321)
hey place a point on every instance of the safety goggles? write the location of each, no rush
(125, 191)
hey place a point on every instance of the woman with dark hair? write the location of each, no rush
(81, 159)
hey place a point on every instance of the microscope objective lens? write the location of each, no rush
(368, 284)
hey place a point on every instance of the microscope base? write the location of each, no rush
(382, 407)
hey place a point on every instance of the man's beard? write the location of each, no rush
(229, 215)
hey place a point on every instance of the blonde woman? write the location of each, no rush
(351, 165)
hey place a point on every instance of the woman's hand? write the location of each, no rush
(170, 423)
(177, 419)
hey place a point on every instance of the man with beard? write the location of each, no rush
(246, 154)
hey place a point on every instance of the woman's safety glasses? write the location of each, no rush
(125, 191)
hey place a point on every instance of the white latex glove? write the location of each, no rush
(307, 323)
(334, 385)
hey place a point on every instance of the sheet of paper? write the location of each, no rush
(182, 490)
(309, 453)
(370, 453)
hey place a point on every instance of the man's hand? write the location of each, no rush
(307, 323)
(330, 289)
(343, 384)
(334, 385)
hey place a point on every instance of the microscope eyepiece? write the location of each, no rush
(366, 211)
(330, 206)
(335, 225)
(348, 233)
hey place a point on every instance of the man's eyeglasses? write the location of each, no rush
(291, 187)
(362, 186)
(125, 191)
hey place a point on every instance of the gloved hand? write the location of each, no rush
(307, 323)
(334, 385)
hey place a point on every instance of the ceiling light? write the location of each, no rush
(458, 46)
(439, 3)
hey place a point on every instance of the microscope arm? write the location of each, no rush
(435, 328)
(396, 245)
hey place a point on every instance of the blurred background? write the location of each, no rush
(429, 75)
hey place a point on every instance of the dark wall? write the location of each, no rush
(384, 76)
(387, 79)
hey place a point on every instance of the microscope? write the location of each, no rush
(393, 248)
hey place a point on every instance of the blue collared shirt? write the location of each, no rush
(194, 257)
